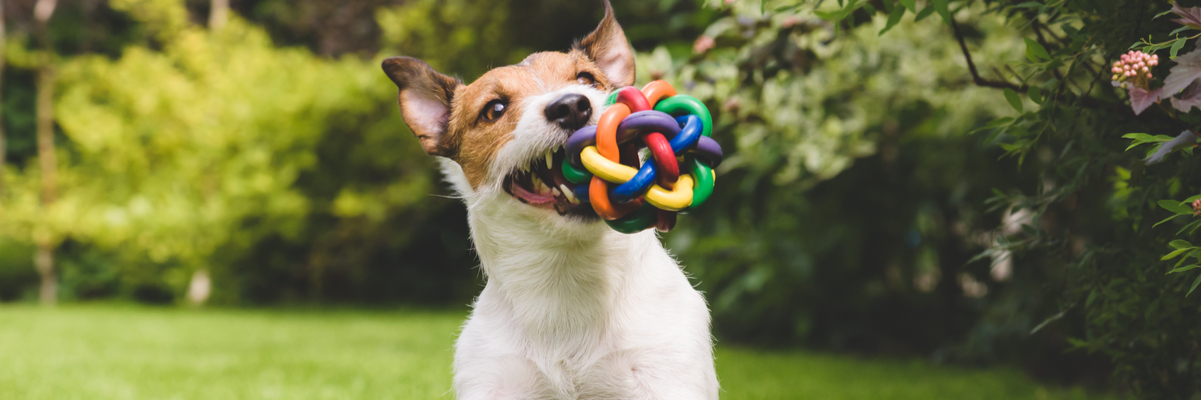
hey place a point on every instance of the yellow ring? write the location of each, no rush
(670, 200)
(600, 166)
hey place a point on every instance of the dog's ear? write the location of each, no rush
(607, 47)
(424, 98)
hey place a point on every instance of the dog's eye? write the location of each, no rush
(586, 79)
(493, 110)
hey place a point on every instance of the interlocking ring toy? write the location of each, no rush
(603, 160)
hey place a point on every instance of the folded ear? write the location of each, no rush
(424, 98)
(608, 49)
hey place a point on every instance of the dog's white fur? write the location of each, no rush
(571, 309)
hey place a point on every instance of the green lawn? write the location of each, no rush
(110, 352)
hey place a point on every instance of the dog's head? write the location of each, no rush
(506, 130)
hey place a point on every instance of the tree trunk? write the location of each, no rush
(44, 260)
(200, 287)
(3, 140)
(47, 159)
(218, 14)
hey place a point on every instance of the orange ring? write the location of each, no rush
(657, 90)
(606, 131)
(598, 194)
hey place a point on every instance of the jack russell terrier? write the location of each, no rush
(572, 309)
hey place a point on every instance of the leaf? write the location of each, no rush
(893, 18)
(996, 123)
(1180, 29)
(1035, 52)
(911, 5)
(1183, 138)
(924, 13)
(1192, 199)
(1191, 16)
(943, 11)
(1184, 268)
(1165, 220)
(1187, 70)
(1195, 283)
(1180, 244)
(1176, 46)
(1176, 207)
(1140, 98)
(1029, 4)
(1189, 99)
(1050, 319)
(1035, 95)
(1174, 254)
(1014, 100)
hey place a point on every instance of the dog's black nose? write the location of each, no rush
(572, 111)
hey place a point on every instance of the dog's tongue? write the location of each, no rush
(532, 198)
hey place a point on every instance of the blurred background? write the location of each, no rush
(249, 155)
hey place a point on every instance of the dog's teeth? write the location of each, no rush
(550, 159)
(537, 183)
(555, 191)
(570, 196)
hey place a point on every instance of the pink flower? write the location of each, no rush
(703, 44)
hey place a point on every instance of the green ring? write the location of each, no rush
(642, 218)
(681, 104)
(703, 187)
(611, 100)
(575, 175)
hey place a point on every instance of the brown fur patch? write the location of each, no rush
(479, 139)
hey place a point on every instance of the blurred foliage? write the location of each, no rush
(880, 195)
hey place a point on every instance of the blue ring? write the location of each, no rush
(581, 192)
(636, 186)
(689, 135)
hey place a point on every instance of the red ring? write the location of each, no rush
(664, 220)
(665, 159)
(633, 98)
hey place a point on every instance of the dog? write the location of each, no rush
(571, 309)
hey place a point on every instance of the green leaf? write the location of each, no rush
(941, 7)
(1035, 94)
(1176, 46)
(1165, 220)
(1193, 198)
(1014, 100)
(1174, 254)
(1180, 244)
(1176, 207)
(1195, 283)
(1029, 4)
(1180, 29)
(893, 18)
(996, 123)
(1162, 14)
(924, 13)
(910, 4)
(1035, 52)
(1184, 268)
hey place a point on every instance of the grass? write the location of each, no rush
(108, 352)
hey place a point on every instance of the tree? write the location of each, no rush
(48, 160)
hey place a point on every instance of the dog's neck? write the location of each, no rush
(556, 274)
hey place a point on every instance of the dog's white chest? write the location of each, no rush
(623, 323)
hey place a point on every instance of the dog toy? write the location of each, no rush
(603, 161)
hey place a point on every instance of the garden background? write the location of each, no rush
(912, 188)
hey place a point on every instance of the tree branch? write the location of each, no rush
(971, 66)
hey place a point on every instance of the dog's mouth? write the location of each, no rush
(540, 183)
